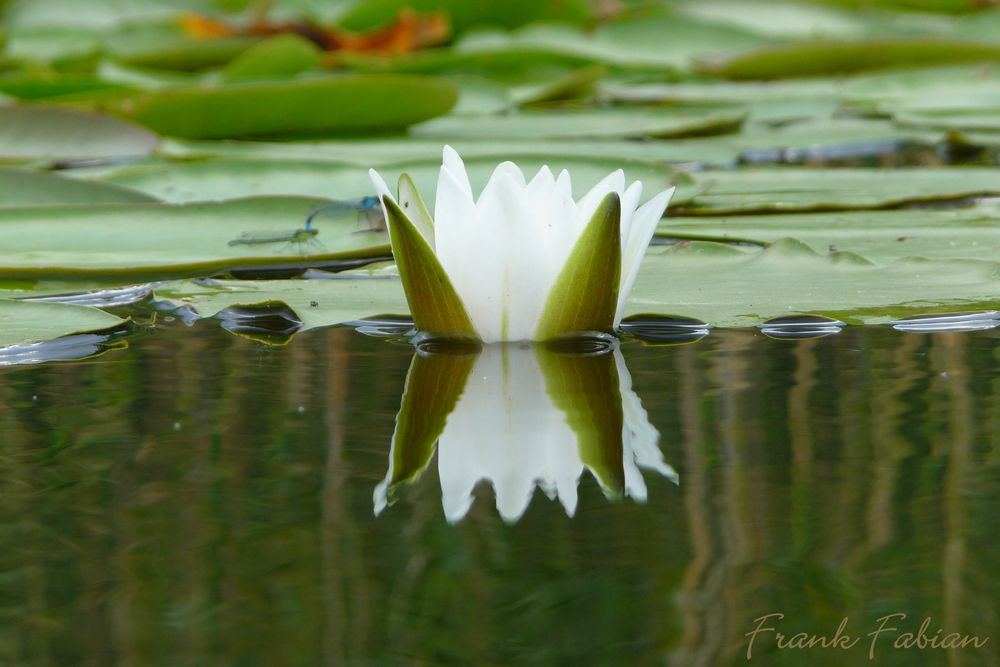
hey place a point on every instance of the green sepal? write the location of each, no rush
(434, 304)
(415, 208)
(585, 294)
(586, 389)
(433, 386)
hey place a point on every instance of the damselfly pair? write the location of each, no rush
(369, 214)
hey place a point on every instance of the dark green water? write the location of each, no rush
(200, 499)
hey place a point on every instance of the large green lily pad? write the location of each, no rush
(31, 322)
(345, 104)
(583, 124)
(228, 179)
(733, 288)
(819, 57)
(723, 286)
(800, 189)
(157, 241)
(880, 236)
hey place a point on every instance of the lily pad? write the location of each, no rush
(21, 187)
(711, 282)
(584, 124)
(24, 322)
(730, 288)
(378, 152)
(351, 103)
(797, 189)
(228, 179)
(880, 236)
(817, 57)
(315, 302)
(28, 132)
(158, 241)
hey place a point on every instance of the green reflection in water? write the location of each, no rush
(197, 499)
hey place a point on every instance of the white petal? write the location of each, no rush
(455, 232)
(613, 182)
(643, 225)
(514, 276)
(451, 161)
(629, 202)
(504, 170)
(382, 190)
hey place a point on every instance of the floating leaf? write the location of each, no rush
(816, 57)
(280, 56)
(228, 179)
(42, 132)
(880, 236)
(793, 189)
(352, 103)
(583, 124)
(731, 288)
(156, 241)
(20, 187)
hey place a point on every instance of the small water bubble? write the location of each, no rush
(944, 322)
(795, 327)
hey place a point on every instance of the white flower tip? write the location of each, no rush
(380, 186)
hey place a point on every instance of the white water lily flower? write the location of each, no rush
(524, 261)
(524, 418)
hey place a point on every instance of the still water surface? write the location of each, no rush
(202, 499)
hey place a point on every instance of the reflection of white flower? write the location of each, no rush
(525, 260)
(506, 428)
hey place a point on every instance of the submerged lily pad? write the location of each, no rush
(25, 322)
(155, 241)
(314, 302)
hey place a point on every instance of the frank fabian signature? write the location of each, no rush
(885, 634)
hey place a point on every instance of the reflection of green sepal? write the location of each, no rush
(433, 386)
(585, 294)
(434, 303)
(415, 208)
(585, 388)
